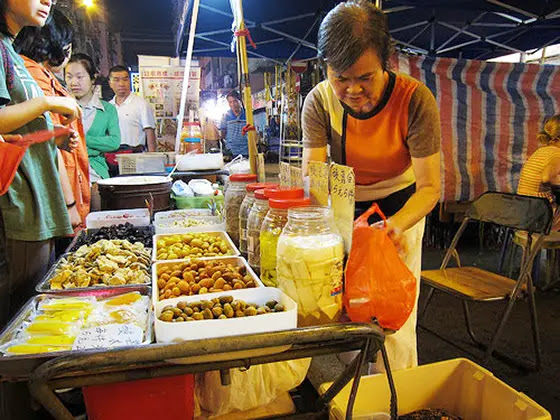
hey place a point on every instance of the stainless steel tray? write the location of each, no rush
(44, 286)
(22, 366)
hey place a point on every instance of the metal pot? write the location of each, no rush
(130, 192)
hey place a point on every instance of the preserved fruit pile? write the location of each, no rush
(189, 245)
(105, 263)
(199, 277)
(224, 307)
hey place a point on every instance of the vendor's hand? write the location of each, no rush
(68, 108)
(68, 142)
(75, 218)
(395, 234)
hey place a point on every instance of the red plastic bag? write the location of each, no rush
(378, 283)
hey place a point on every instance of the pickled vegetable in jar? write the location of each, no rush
(254, 223)
(234, 195)
(310, 254)
(246, 206)
(272, 226)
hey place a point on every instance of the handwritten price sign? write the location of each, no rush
(285, 176)
(319, 183)
(108, 336)
(296, 177)
(343, 185)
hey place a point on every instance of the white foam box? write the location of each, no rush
(163, 222)
(235, 261)
(199, 161)
(169, 332)
(99, 219)
(223, 235)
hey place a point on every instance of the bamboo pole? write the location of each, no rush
(188, 59)
(242, 48)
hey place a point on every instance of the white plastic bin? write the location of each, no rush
(233, 251)
(459, 386)
(99, 219)
(170, 222)
(141, 163)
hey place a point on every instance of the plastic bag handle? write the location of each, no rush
(374, 209)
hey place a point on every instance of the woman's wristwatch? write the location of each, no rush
(72, 204)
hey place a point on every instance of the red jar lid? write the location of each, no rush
(284, 193)
(243, 178)
(261, 195)
(260, 186)
(286, 204)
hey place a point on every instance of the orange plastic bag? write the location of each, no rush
(13, 148)
(378, 283)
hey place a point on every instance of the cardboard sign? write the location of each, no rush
(342, 181)
(108, 336)
(296, 177)
(319, 183)
(285, 177)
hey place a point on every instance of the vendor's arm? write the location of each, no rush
(151, 139)
(422, 202)
(423, 141)
(315, 126)
(112, 139)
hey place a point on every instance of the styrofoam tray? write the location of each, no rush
(212, 222)
(99, 219)
(165, 216)
(168, 332)
(233, 249)
(236, 261)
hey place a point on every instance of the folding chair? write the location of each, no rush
(530, 214)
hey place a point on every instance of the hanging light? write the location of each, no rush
(88, 3)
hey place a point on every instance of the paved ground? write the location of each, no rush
(445, 315)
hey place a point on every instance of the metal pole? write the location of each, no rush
(242, 47)
(190, 48)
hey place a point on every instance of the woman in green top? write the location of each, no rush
(33, 211)
(101, 120)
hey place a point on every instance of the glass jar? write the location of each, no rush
(254, 223)
(191, 138)
(310, 256)
(246, 206)
(233, 197)
(272, 226)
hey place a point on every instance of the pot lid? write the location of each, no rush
(134, 180)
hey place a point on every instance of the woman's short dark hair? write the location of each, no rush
(86, 61)
(349, 30)
(49, 43)
(3, 26)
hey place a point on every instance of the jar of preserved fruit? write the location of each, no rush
(246, 206)
(310, 256)
(272, 226)
(254, 223)
(233, 197)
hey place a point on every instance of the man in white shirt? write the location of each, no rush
(136, 118)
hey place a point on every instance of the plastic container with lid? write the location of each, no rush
(272, 226)
(191, 138)
(254, 222)
(310, 256)
(245, 209)
(234, 195)
(283, 193)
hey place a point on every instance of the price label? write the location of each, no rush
(107, 336)
(319, 183)
(343, 187)
(296, 177)
(261, 168)
(285, 178)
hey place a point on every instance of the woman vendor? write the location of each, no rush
(384, 125)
